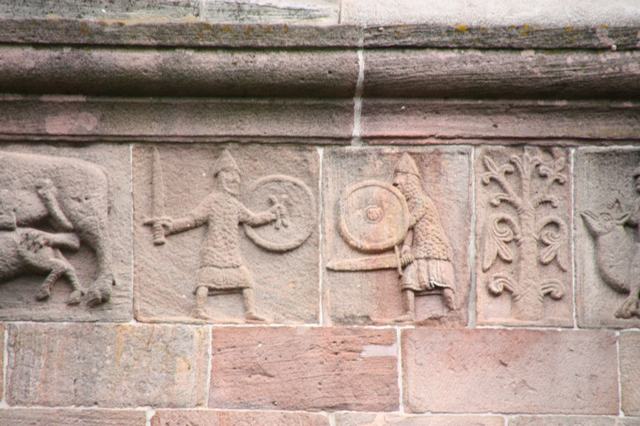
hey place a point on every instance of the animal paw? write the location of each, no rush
(630, 308)
(43, 293)
(75, 297)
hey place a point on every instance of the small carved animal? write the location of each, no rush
(31, 251)
(615, 250)
(82, 195)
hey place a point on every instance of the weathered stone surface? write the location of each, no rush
(71, 417)
(286, 283)
(353, 293)
(180, 34)
(523, 36)
(240, 418)
(79, 119)
(467, 121)
(178, 72)
(381, 419)
(2, 360)
(570, 13)
(628, 421)
(110, 9)
(523, 241)
(630, 372)
(510, 371)
(106, 365)
(304, 369)
(439, 73)
(273, 12)
(89, 188)
(566, 421)
(606, 252)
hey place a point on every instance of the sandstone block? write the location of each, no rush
(565, 421)
(382, 419)
(274, 12)
(71, 417)
(65, 239)
(523, 242)
(375, 259)
(606, 217)
(630, 372)
(229, 418)
(304, 369)
(106, 365)
(256, 252)
(510, 371)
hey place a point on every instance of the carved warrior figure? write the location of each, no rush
(618, 255)
(540, 240)
(68, 195)
(376, 217)
(222, 268)
(425, 251)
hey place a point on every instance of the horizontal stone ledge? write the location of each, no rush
(436, 73)
(463, 121)
(177, 72)
(239, 418)
(111, 32)
(179, 120)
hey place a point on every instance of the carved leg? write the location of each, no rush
(449, 297)
(57, 269)
(201, 300)
(47, 192)
(631, 306)
(78, 291)
(408, 298)
(250, 306)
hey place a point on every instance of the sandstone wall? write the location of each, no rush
(319, 212)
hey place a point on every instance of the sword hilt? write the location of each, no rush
(158, 234)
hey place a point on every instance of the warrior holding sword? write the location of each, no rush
(222, 269)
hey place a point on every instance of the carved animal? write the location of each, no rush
(615, 251)
(82, 195)
(31, 251)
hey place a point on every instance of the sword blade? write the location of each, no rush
(368, 263)
(157, 183)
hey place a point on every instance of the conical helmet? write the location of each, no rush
(225, 162)
(407, 165)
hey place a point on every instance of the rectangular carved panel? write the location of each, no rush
(237, 224)
(65, 233)
(607, 216)
(523, 236)
(396, 226)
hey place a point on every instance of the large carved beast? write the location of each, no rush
(81, 193)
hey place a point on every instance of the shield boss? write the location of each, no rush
(299, 220)
(373, 216)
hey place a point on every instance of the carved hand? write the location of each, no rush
(161, 226)
(280, 212)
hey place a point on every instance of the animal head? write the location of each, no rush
(602, 223)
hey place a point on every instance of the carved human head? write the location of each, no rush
(406, 176)
(228, 173)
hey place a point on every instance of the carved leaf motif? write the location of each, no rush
(493, 170)
(552, 240)
(503, 231)
(499, 283)
(552, 288)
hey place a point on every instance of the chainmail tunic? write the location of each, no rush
(429, 239)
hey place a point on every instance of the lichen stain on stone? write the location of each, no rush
(524, 30)
(461, 28)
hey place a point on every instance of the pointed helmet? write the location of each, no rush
(407, 165)
(225, 162)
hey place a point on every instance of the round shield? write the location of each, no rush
(295, 205)
(373, 216)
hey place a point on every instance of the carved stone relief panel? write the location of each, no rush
(523, 236)
(607, 216)
(396, 226)
(226, 234)
(65, 240)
